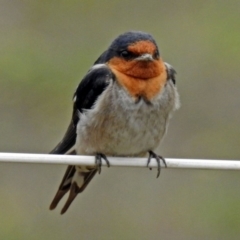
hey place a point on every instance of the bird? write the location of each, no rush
(121, 108)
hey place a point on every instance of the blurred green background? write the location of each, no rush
(46, 47)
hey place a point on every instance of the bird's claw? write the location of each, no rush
(158, 159)
(98, 161)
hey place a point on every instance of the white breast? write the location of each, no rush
(118, 126)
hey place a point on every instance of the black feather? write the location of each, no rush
(89, 89)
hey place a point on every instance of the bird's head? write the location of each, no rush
(135, 54)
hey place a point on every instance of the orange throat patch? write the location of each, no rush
(139, 78)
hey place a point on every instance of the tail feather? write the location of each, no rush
(57, 198)
(65, 183)
(76, 182)
(75, 189)
(64, 186)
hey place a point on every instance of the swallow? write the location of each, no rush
(120, 108)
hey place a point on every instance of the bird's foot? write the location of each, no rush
(158, 159)
(98, 161)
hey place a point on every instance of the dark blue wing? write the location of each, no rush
(87, 92)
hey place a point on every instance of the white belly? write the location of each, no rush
(118, 126)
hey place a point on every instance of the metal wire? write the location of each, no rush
(118, 161)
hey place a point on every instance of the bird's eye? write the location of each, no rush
(156, 55)
(125, 54)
